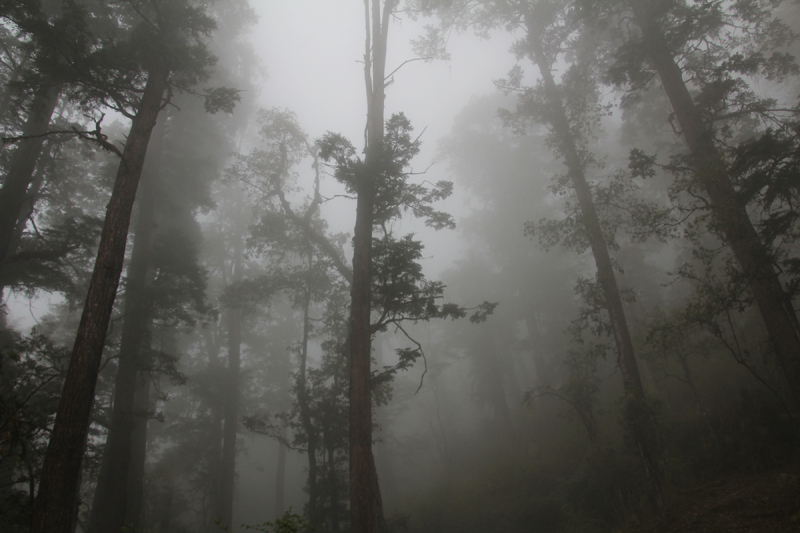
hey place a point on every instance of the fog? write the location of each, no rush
(543, 277)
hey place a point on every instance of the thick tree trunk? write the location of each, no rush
(730, 214)
(109, 512)
(58, 492)
(20, 174)
(635, 401)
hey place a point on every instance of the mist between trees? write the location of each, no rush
(570, 308)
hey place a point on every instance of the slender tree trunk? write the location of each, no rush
(303, 400)
(231, 424)
(58, 492)
(489, 368)
(381, 526)
(8, 92)
(698, 402)
(20, 174)
(280, 479)
(381, 454)
(280, 475)
(110, 513)
(216, 406)
(213, 510)
(333, 486)
(539, 364)
(165, 524)
(362, 518)
(635, 401)
(134, 506)
(730, 214)
(26, 209)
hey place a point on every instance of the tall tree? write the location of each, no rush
(535, 20)
(230, 428)
(110, 509)
(567, 109)
(70, 46)
(666, 33)
(362, 517)
(169, 44)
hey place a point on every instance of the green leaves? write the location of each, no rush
(394, 193)
(221, 99)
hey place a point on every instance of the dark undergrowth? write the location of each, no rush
(733, 470)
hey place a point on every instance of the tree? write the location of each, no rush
(179, 29)
(111, 509)
(70, 56)
(570, 109)
(362, 518)
(304, 262)
(665, 34)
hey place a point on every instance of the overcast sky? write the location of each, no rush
(313, 52)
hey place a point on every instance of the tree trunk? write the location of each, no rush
(216, 411)
(58, 492)
(280, 474)
(230, 425)
(303, 401)
(333, 486)
(20, 174)
(362, 518)
(381, 454)
(280, 479)
(489, 369)
(231, 422)
(134, 506)
(730, 214)
(539, 364)
(165, 524)
(635, 401)
(380, 519)
(109, 512)
(26, 209)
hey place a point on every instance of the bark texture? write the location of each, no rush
(730, 214)
(110, 510)
(55, 510)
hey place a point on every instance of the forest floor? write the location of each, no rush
(769, 502)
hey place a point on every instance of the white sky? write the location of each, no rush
(312, 50)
